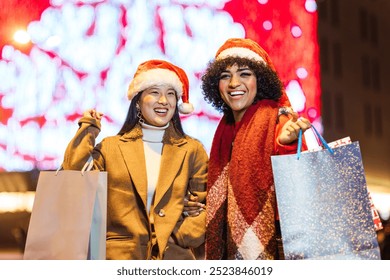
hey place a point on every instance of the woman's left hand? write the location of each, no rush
(291, 129)
(192, 207)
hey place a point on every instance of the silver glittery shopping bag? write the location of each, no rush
(68, 219)
(323, 204)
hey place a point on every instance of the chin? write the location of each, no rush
(162, 123)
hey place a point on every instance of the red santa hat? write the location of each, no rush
(247, 48)
(161, 72)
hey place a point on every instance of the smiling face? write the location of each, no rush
(238, 88)
(158, 104)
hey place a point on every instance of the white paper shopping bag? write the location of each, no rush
(68, 219)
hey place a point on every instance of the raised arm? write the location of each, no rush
(81, 147)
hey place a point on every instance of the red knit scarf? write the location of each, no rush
(241, 198)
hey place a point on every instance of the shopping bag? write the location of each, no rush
(340, 142)
(68, 219)
(323, 204)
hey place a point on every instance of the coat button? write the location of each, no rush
(161, 213)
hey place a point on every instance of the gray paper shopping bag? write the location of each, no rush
(323, 205)
(68, 219)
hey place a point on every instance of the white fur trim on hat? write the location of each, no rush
(153, 77)
(240, 52)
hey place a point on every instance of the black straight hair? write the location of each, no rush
(132, 118)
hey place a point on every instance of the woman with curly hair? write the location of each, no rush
(242, 219)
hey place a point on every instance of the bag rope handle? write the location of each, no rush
(87, 166)
(324, 143)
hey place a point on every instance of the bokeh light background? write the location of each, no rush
(83, 55)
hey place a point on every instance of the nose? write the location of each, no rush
(163, 99)
(234, 81)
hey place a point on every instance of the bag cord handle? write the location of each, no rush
(87, 166)
(324, 143)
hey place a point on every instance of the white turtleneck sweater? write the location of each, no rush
(152, 138)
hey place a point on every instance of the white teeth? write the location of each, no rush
(234, 93)
(162, 111)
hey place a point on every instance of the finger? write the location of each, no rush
(188, 203)
(292, 129)
(303, 126)
(295, 116)
(192, 209)
(94, 114)
(193, 198)
(304, 120)
(191, 213)
(195, 203)
(99, 115)
(194, 213)
(189, 209)
(87, 113)
(294, 134)
(295, 126)
(304, 123)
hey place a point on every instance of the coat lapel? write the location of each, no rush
(133, 155)
(171, 161)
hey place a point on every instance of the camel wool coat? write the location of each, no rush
(132, 234)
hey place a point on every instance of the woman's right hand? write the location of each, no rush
(290, 130)
(92, 113)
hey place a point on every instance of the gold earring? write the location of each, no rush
(139, 114)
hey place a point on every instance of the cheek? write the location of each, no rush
(223, 96)
(222, 89)
(221, 85)
(253, 84)
(146, 100)
(172, 101)
(144, 105)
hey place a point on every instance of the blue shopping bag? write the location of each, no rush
(323, 204)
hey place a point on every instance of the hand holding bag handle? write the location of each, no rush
(324, 143)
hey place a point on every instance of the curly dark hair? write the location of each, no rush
(269, 85)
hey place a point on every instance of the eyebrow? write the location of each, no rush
(243, 69)
(157, 87)
(238, 70)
